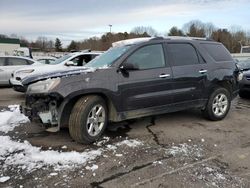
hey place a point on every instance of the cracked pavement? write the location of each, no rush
(179, 150)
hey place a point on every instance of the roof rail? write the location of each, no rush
(187, 38)
(130, 41)
(157, 38)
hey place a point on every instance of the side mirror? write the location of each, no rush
(70, 63)
(128, 66)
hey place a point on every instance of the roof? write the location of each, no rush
(19, 57)
(9, 41)
(146, 39)
(131, 41)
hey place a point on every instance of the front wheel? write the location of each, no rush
(88, 119)
(218, 104)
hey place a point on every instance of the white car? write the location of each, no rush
(45, 59)
(70, 61)
(8, 64)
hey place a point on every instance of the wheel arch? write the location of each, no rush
(67, 105)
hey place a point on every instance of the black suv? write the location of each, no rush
(136, 78)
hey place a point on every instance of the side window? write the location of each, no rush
(75, 60)
(217, 51)
(2, 60)
(30, 62)
(148, 57)
(183, 54)
(16, 62)
(42, 61)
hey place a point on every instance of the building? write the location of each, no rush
(8, 45)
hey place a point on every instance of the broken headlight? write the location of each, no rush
(43, 86)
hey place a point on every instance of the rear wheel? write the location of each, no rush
(88, 119)
(218, 104)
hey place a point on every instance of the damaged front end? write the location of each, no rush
(41, 104)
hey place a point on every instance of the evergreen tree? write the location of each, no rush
(174, 31)
(58, 45)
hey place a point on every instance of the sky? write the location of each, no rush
(81, 19)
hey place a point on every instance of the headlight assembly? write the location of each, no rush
(43, 86)
(25, 71)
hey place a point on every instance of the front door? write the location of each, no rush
(151, 84)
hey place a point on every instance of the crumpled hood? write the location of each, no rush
(55, 74)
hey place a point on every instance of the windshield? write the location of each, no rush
(107, 58)
(61, 59)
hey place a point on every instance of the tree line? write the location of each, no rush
(232, 38)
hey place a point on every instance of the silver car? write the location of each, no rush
(8, 64)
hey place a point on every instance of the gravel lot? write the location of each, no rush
(173, 150)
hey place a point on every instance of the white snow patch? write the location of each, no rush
(130, 143)
(29, 158)
(92, 168)
(185, 150)
(4, 179)
(53, 174)
(10, 119)
(118, 155)
(102, 142)
(26, 156)
(111, 147)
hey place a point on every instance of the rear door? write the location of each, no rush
(150, 86)
(189, 73)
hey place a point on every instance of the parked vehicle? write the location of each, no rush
(65, 63)
(244, 65)
(8, 64)
(245, 85)
(136, 78)
(45, 59)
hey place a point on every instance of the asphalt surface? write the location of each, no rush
(179, 150)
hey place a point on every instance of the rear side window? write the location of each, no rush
(17, 62)
(217, 51)
(148, 57)
(2, 60)
(183, 54)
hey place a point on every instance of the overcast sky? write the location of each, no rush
(79, 19)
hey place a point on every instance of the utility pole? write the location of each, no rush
(110, 26)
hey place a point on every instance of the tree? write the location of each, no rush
(73, 46)
(58, 45)
(194, 28)
(3, 36)
(225, 37)
(142, 30)
(174, 31)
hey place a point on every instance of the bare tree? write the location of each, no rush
(139, 30)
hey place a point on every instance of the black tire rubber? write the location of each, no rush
(244, 94)
(208, 112)
(78, 118)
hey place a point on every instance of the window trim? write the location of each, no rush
(166, 65)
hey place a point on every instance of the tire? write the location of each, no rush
(244, 94)
(214, 103)
(84, 110)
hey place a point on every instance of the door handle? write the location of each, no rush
(202, 71)
(164, 75)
